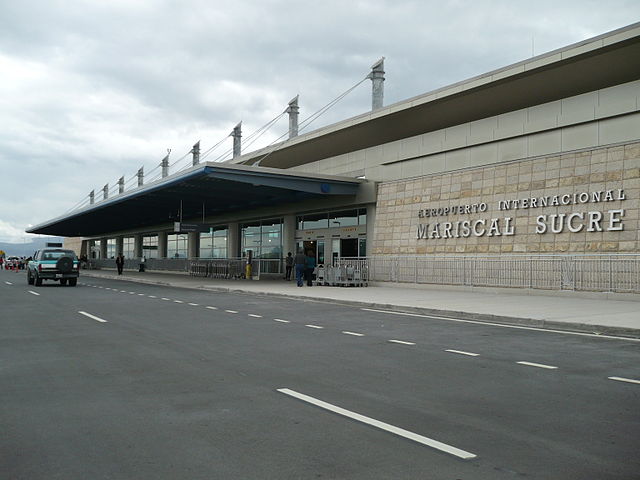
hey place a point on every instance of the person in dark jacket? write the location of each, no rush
(288, 263)
(300, 261)
(310, 265)
(120, 263)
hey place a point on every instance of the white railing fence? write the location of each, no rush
(602, 273)
(597, 272)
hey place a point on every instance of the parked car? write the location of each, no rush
(12, 262)
(54, 264)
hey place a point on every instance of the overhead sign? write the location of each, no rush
(181, 227)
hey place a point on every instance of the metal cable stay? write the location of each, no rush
(114, 187)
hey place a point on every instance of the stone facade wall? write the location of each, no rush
(74, 243)
(417, 207)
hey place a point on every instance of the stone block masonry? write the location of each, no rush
(581, 202)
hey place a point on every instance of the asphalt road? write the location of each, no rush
(119, 380)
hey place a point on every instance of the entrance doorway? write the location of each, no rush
(309, 245)
(348, 247)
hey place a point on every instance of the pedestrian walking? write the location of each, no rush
(310, 265)
(300, 262)
(288, 263)
(120, 263)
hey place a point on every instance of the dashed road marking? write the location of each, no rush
(212, 308)
(281, 320)
(254, 315)
(401, 342)
(231, 311)
(152, 296)
(193, 304)
(178, 301)
(429, 442)
(141, 294)
(165, 298)
(627, 380)
(8, 283)
(314, 326)
(460, 352)
(93, 317)
(539, 365)
(355, 334)
(33, 293)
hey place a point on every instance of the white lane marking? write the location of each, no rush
(443, 447)
(123, 291)
(193, 304)
(132, 293)
(355, 334)
(539, 365)
(231, 311)
(628, 380)
(178, 301)
(33, 293)
(460, 352)
(254, 315)
(401, 342)
(8, 283)
(314, 326)
(212, 308)
(502, 325)
(93, 317)
(281, 320)
(152, 296)
(164, 298)
(141, 294)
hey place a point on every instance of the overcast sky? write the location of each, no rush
(93, 90)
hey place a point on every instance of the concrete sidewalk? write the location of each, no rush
(595, 313)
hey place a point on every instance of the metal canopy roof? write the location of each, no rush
(491, 94)
(210, 187)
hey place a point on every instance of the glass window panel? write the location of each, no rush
(128, 247)
(271, 252)
(150, 246)
(316, 220)
(111, 248)
(362, 216)
(362, 247)
(271, 225)
(177, 245)
(320, 252)
(335, 248)
(345, 218)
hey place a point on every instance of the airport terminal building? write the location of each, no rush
(526, 176)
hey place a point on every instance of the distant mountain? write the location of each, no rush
(27, 249)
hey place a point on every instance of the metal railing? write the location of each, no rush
(234, 267)
(159, 264)
(596, 272)
(218, 268)
(602, 273)
(344, 272)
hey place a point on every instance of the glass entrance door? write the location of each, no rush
(348, 247)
